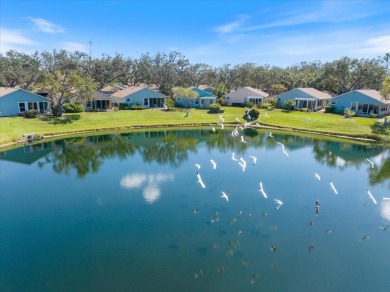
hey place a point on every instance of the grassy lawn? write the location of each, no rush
(12, 128)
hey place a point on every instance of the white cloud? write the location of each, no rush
(45, 26)
(227, 28)
(13, 39)
(72, 46)
(149, 183)
(377, 45)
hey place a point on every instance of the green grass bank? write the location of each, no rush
(12, 128)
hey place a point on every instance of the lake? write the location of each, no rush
(133, 212)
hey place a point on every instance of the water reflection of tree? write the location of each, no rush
(172, 149)
(380, 174)
(69, 154)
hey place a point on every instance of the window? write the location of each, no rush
(333, 102)
(384, 108)
(319, 102)
(128, 99)
(197, 101)
(354, 106)
(22, 107)
(146, 101)
(32, 105)
(227, 97)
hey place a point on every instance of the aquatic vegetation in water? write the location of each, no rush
(273, 228)
(221, 269)
(195, 211)
(254, 277)
(229, 252)
(198, 273)
(233, 221)
(244, 264)
(311, 247)
(328, 231)
(273, 248)
(274, 267)
(365, 237)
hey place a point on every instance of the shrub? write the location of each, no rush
(222, 101)
(123, 106)
(348, 113)
(135, 106)
(169, 103)
(254, 114)
(289, 105)
(73, 107)
(372, 115)
(329, 108)
(249, 104)
(302, 109)
(115, 108)
(265, 105)
(273, 102)
(215, 108)
(30, 114)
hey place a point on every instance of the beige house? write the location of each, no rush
(244, 94)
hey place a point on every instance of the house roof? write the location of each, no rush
(315, 93)
(7, 90)
(97, 95)
(373, 94)
(248, 91)
(203, 87)
(130, 90)
(203, 94)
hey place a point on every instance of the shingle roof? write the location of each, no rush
(203, 86)
(7, 90)
(248, 91)
(373, 94)
(316, 93)
(127, 91)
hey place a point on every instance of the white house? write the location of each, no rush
(244, 94)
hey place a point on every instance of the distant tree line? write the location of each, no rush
(62, 72)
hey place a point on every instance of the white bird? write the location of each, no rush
(200, 181)
(222, 126)
(243, 166)
(213, 163)
(266, 115)
(225, 196)
(242, 139)
(237, 119)
(234, 157)
(285, 152)
(278, 203)
(243, 161)
(213, 129)
(241, 128)
(281, 144)
(371, 197)
(270, 135)
(254, 159)
(257, 125)
(197, 166)
(333, 188)
(317, 176)
(220, 117)
(386, 199)
(262, 190)
(372, 163)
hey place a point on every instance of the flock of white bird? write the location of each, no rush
(242, 163)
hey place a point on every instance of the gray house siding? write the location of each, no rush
(145, 97)
(360, 103)
(302, 99)
(21, 100)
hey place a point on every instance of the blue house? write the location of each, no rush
(17, 100)
(364, 102)
(141, 96)
(204, 99)
(307, 98)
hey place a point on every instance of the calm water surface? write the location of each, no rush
(125, 212)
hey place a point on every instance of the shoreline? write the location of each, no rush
(51, 136)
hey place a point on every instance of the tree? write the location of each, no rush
(185, 94)
(385, 91)
(62, 86)
(289, 105)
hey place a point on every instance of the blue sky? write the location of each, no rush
(280, 33)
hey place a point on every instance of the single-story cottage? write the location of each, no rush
(204, 99)
(100, 101)
(14, 101)
(364, 102)
(243, 94)
(306, 98)
(141, 96)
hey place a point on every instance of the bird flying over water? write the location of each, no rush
(281, 144)
(242, 139)
(278, 203)
(371, 197)
(197, 166)
(317, 176)
(225, 196)
(333, 188)
(372, 163)
(233, 157)
(254, 159)
(262, 190)
(213, 163)
(200, 181)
